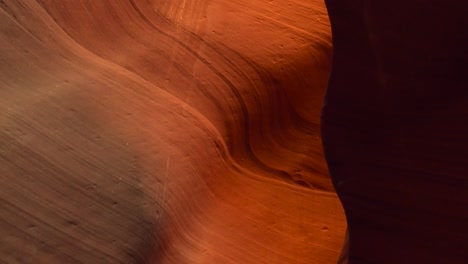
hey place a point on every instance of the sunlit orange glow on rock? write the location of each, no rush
(138, 131)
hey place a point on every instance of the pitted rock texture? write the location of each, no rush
(137, 131)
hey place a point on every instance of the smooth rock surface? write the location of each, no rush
(182, 131)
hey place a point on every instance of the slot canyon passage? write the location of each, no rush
(188, 131)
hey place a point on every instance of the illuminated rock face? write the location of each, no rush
(138, 131)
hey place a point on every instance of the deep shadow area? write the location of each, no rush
(395, 128)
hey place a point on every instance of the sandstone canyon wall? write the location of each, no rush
(172, 131)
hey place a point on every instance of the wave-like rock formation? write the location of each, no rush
(182, 131)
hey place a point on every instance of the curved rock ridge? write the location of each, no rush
(137, 131)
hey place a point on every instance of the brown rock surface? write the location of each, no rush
(138, 131)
